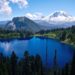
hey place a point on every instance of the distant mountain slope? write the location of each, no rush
(3, 23)
(23, 24)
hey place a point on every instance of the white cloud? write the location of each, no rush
(21, 3)
(4, 7)
(35, 16)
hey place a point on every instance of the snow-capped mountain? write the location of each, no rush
(59, 16)
(58, 19)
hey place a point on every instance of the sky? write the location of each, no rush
(14, 8)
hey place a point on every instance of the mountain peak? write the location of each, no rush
(59, 16)
(59, 13)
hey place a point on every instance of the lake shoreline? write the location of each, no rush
(30, 37)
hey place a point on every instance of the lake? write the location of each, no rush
(38, 45)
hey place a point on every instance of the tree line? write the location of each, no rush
(32, 65)
(8, 34)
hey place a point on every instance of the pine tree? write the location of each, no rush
(1, 64)
(13, 63)
(55, 63)
(73, 65)
(26, 65)
(38, 64)
(66, 69)
(62, 73)
(32, 62)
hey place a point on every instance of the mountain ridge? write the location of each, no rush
(58, 19)
(22, 24)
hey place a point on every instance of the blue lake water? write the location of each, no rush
(37, 45)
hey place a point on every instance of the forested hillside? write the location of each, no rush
(66, 35)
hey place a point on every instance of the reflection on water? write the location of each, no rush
(38, 46)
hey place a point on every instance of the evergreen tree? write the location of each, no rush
(13, 63)
(73, 65)
(66, 69)
(8, 66)
(26, 65)
(20, 67)
(38, 65)
(63, 35)
(3, 67)
(62, 73)
(32, 62)
(1, 64)
(55, 63)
